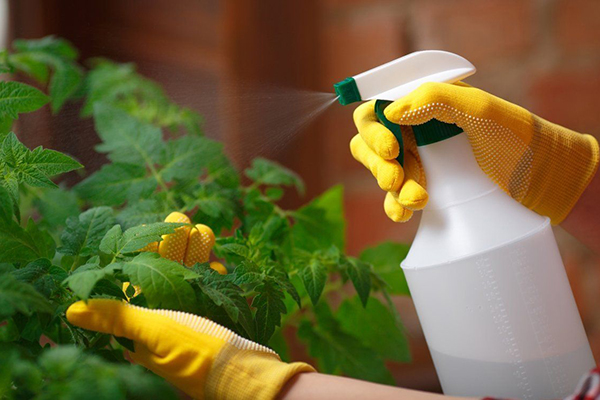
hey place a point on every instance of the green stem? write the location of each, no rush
(95, 340)
(74, 265)
(161, 182)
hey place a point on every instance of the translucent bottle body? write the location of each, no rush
(490, 288)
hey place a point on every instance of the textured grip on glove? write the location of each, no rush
(199, 356)
(544, 166)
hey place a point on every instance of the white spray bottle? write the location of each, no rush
(484, 271)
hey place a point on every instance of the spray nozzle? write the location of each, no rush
(347, 91)
(397, 78)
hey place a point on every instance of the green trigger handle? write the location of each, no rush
(380, 105)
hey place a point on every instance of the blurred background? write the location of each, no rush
(541, 54)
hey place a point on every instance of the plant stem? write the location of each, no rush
(160, 181)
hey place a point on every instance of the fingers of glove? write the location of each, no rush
(142, 355)
(220, 268)
(168, 366)
(200, 243)
(174, 245)
(184, 367)
(426, 94)
(376, 136)
(108, 316)
(394, 209)
(157, 332)
(413, 195)
(389, 173)
(150, 247)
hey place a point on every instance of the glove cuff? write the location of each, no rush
(249, 374)
(563, 166)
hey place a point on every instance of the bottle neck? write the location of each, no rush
(453, 175)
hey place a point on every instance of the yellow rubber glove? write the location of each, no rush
(188, 244)
(200, 357)
(542, 165)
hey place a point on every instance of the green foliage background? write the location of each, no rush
(57, 245)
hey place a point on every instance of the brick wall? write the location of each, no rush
(543, 55)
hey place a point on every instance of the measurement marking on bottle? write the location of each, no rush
(499, 315)
(539, 318)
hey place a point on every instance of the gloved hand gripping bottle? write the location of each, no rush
(484, 271)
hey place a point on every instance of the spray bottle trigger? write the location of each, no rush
(380, 105)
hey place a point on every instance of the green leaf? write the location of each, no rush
(82, 235)
(283, 280)
(12, 151)
(17, 98)
(162, 281)
(83, 280)
(314, 276)
(320, 224)
(49, 44)
(229, 296)
(217, 206)
(338, 351)
(360, 275)
(31, 66)
(191, 156)
(50, 162)
(237, 249)
(143, 212)
(20, 245)
(5, 65)
(56, 205)
(108, 287)
(115, 183)
(40, 273)
(35, 57)
(186, 157)
(6, 124)
(115, 242)
(122, 87)
(280, 346)
(33, 167)
(64, 83)
(376, 327)
(247, 272)
(222, 171)
(267, 172)
(20, 297)
(274, 193)
(110, 242)
(386, 258)
(71, 373)
(269, 307)
(138, 237)
(43, 240)
(126, 139)
(6, 206)
(141, 385)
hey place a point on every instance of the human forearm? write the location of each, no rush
(315, 386)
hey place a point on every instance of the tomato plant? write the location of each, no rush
(59, 244)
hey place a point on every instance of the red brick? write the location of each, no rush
(481, 31)
(568, 98)
(344, 5)
(578, 25)
(359, 41)
(339, 129)
(367, 224)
